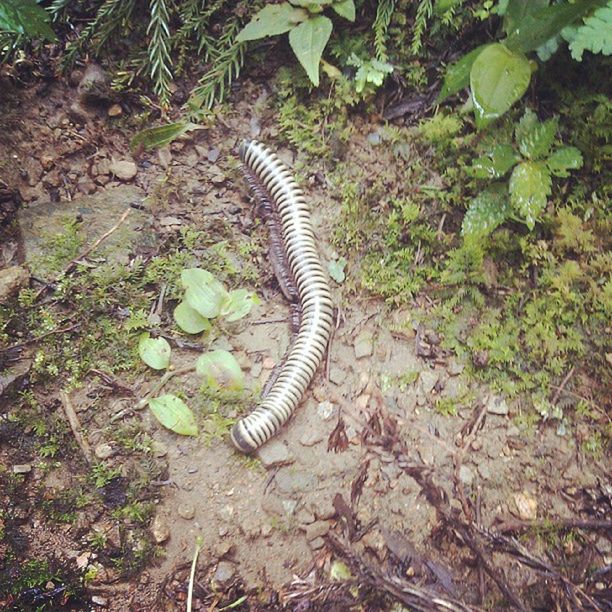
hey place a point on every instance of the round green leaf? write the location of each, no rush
(457, 76)
(155, 352)
(308, 41)
(238, 304)
(174, 414)
(498, 78)
(203, 292)
(190, 320)
(220, 369)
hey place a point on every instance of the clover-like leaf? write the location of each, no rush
(190, 320)
(496, 163)
(529, 189)
(238, 304)
(155, 352)
(498, 78)
(457, 75)
(174, 414)
(534, 138)
(336, 269)
(203, 292)
(219, 368)
(564, 159)
(272, 20)
(486, 211)
(308, 41)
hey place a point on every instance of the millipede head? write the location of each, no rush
(243, 148)
(240, 441)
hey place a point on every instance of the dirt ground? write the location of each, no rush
(265, 525)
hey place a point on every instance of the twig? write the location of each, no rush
(562, 385)
(481, 576)
(199, 543)
(512, 525)
(75, 425)
(62, 330)
(161, 383)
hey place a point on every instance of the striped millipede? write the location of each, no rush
(300, 274)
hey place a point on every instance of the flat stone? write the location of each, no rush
(321, 505)
(274, 453)
(454, 388)
(225, 572)
(103, 451)
(428, 380)
(14, 374)
(272, 505)
(266, 530)
(125, 170)
(466, 475)
(316, 530)
(160, 529)
(317, 543)
(304, 517)
(311, 437)
(290, 481)
(454, 368)
(497, 405)
(363, 344)
(326, 410)
(526, 506)
(22, 468)
(98, 600)
(186, 511)
(11, 280)
(289, 506)
(159, 449)
(337, 375)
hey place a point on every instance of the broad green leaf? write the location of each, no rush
(517, 10)
(162, 135)
(204, 292)
(496, 163)
(564, 159)
(190, 320)
(534, 138)
(336, 269)
(540, 25)
(442, 6)
(594, 35)
(238, 304)
(272, 20)
(308, 41)
(486, 211)
(25, 17)
(313, 6)
(457, 75)
(155, 352)
(529, 188)
(345, 8)
(220, 369)
(499, 77)
(548, 49)
(174, 414)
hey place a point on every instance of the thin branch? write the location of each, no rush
(75, 425)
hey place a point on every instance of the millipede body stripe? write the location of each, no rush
(300, 271)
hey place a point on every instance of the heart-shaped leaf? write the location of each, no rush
(345, 8)
(174, 414)
(155, 352)
(308, 41)
(272, 20)
(457, 76)
(203, 292)
(220, 369)
(238, 304)
(190, 320)
(336, 269)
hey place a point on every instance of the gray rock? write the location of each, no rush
(322, 507)
(454, 388)
(159, 449)
(103, 451)
(14, 374)
(497, 405)
(272, 505)
(428, 380)
(274, 453)
(513, 431)
(316, 530)
(466, 475)
(124, 169)
(337, 375)
(98, 600)
(289, 506)
(326, 410)
(311, 437)
(225, 572)
(484, 471)
(11, 280)
(363, 344)
(317, 543)
(160, 529)
(22, 468)
(290, 481)
(304, 517)
(186, 511)
(454, 368)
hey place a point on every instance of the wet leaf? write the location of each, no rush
(155, 352)
(499, 77)
(190, 320)
(529, 188)
(25, 17)
(204, 292)
(340, 571)
(336, 269)
(272, 20)
(162, 135)
(238, 304)
(564, 159)
(487, 211)
(494, 165)
(345, 8)
(534, 138)
(220, 369)
(308, 41)
(338, 440)
(457, 76)
(174, 414)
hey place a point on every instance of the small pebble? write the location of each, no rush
(326, 410)
(186, 511)
(103, 451)
(23, 468)
(160, 529)
(99, 601)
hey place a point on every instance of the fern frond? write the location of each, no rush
(57, 7)
(159, 50)
(384, 12)
(424, 12)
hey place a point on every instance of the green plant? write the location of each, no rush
(499, 73)
(21, 20)
(533, 162)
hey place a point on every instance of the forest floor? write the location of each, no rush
(394, 450)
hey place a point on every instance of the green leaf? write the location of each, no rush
(339, 571)
(499, 77)
(529, 188)
(204, 292)
(336, 269)
(190, 320)
(220, 369)
(457, 75)
(486, 211)
(155, 352)
(238, 304)
(345, 8)
(162, 135)
(174, 414)
(25, 17)
(534, 138)
(517, 10)
(594, 35)
(272, 20)
(540, 25)
(308, 41)
(564, 159)
(496, 163)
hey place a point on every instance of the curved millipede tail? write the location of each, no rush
(306, 352)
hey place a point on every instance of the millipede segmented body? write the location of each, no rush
(300, 270)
